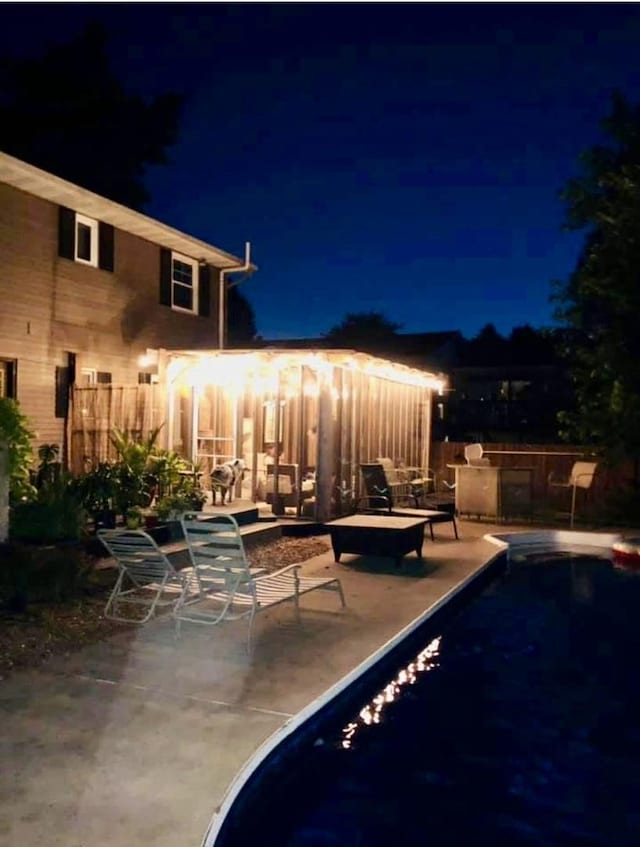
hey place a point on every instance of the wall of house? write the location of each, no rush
(52, 306)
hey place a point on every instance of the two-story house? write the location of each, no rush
(91, 290)
(88, 286)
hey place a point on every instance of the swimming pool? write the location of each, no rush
(514, 721)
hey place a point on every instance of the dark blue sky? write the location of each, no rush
(404, 158)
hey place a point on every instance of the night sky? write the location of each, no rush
(403, 158)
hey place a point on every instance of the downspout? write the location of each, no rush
(222, 293)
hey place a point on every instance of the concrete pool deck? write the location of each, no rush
(135, 740)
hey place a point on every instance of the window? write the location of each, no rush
(87, 377)
(8, 378)
(184, 283)
(85, 240)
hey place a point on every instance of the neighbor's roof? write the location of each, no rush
(35, 181)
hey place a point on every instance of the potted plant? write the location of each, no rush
(97, 489)
(133, 518)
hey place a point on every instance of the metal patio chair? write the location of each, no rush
(146, 577)
(222, 586)
(384, 497)
(581, 476)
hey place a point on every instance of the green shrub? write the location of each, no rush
(41, 574)
(57, 515)
(16, 433)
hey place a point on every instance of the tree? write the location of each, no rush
(367, 331)
(241, 320)
(488, 347)
(600, 302)
(66, 112)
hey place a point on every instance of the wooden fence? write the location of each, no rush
(545, 459)
(97, 409)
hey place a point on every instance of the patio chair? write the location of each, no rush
(383, 497)
(417, 481)
(288, 487)
(222, 587)
(581, 476)
(146, 577)
(473, 456)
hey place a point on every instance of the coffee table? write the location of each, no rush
(377, 535)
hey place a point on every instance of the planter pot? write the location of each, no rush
(105, 519)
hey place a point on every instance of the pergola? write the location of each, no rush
(316, 414)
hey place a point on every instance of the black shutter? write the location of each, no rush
(165, 277)
(204, 291)
(105, 247)
(66, 233)
(62, 392)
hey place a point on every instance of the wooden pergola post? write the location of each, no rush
(324, 480)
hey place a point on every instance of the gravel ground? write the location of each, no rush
(46, 630)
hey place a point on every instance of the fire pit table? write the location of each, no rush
(377, 535)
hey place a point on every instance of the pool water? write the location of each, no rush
(517, 723)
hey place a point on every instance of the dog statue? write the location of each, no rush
(224, 478)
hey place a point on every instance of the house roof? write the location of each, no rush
(35, 181)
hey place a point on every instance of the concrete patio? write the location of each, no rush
(134, 741)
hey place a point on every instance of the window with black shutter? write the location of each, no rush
(85, 240)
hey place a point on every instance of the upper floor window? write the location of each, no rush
(85, 240)
(184, 283)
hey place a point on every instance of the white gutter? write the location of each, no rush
(222, 292)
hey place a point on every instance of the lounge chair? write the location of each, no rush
(581, 476)
(384, 497)
(146, 577)
(222, 587)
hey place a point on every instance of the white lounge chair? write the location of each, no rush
(146, 577)
(222, 587)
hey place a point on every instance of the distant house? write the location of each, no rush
(501, 391)
(88, 287)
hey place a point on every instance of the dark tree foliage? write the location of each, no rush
(241, 320)
(67, 112)
(488, 347)
(363, 331)
(600, 302)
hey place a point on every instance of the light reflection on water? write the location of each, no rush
(371, 714)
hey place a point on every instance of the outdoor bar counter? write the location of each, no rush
(493, 492)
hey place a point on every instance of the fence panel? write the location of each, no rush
(97, 409)
(545, 459)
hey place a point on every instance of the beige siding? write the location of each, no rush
(51, 306)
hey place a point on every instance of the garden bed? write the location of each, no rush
(46, 629)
